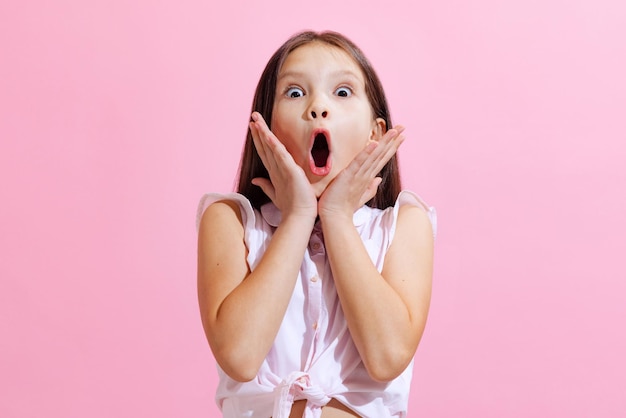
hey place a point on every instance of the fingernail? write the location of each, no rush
(255, 116)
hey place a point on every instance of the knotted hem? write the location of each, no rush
(298, 386)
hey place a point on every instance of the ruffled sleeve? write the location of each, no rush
(409, 198)
(247, 213)
(257, 232)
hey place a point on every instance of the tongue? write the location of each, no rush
(320, 156)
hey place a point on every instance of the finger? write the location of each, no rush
(359, 166)
(399, 128)
(373, 152)
(258, 136)
(270, 141)
(265, 141)
(265, 185)
(386, 149)
(389, 149)
(258, 143)
(368, 163)
(264, 131)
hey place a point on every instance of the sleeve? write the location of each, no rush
(409, 198)
(247, 213)
(257, 233)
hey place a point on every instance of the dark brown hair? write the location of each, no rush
(251, 165)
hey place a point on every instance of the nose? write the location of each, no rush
(317, 108)
(315, 114)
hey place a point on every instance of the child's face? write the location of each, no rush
(321, 111)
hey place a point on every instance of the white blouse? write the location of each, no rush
(313, 356)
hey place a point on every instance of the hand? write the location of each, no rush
(356, 184)
(288, 187)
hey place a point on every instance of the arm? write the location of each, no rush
(386, 313)
(241, 310)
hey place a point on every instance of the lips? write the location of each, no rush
(319, 159)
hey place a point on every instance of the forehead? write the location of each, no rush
(318, 56)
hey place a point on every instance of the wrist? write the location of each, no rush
(304, 218)
(336, 217)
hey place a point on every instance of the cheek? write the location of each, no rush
(282, 121)
(278, 126)
(353, 148)
(282, 132)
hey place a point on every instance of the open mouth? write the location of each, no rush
(319, 150)
(320, 153)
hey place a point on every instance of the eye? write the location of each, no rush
(294, 92)
(343, 92)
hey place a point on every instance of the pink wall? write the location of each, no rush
(116, 116)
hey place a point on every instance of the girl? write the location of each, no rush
(314, 280)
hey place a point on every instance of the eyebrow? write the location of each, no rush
(337, 74)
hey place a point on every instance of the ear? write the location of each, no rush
(379, 127)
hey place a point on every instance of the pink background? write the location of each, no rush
(116, 116)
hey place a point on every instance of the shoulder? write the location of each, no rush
(220, 225)
(414, 218)
(412, 247)
(414, 230)
(415, 224)
(411, 206)
(216, 208)
(220, 214)
(413, 213)
(222, 210)
(221, 233)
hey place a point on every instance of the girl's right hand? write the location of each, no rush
(288, 187)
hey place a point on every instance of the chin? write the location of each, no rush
(320, 187)
(319, 191)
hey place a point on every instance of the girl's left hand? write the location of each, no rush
(356, 184)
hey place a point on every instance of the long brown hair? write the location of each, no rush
(251, 165)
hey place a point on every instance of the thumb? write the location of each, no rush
(265, 185)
